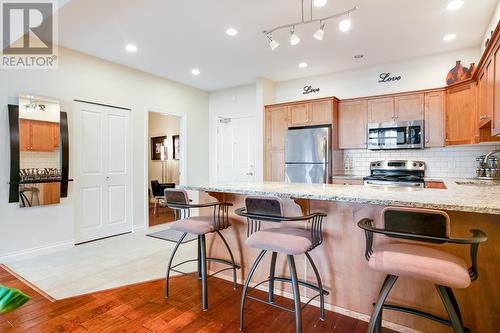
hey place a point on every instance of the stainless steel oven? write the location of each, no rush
(399, 135)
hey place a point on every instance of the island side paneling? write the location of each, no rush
(354, 286)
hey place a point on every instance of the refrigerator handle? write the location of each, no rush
(327, 157)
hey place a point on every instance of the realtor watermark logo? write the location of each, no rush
(29, 35)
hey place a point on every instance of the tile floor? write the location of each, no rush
(103, 264)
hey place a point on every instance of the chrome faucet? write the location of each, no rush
(491, 153)
(487, 168)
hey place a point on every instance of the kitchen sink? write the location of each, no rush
(479, 182)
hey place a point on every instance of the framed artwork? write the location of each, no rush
(158, 148)
(175, 141)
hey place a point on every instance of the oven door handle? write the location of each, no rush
(393, 184)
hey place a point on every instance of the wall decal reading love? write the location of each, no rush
(386, 77)
(309, 90)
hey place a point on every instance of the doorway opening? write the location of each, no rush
(164, 164)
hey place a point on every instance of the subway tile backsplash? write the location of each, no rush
(458, 161)
(40, 160)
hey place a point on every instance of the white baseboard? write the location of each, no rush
(36, 251)
(334, 308)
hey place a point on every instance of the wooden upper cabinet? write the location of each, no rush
(409, 107)
(495, 126)
(485, 94)
(42, 136)
(460, 114)
(320, 113)
(381, 110)
(353, 124)
(37, 135)
(311, 113)
(24, 135)
(298, 115)
(57, 134)
(434, 119)
(276, 127)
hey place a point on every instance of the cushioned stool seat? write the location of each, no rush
(197, 225)
(290, 241)
(421, 262)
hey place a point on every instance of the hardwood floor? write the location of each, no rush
(163, 215)
(142, 308)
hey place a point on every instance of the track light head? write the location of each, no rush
(294, 39)
(272, 43)
(320, 32)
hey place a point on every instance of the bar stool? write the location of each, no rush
(287, 240)
(178, 200)
(414, 259)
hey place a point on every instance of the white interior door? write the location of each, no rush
(103, 172)
(235, 150)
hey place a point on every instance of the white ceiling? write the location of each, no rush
(173, 37)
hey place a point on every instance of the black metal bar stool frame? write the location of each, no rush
(221, 221)
(446, 293)
(254, 223)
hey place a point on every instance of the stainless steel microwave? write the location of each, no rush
(399, 135)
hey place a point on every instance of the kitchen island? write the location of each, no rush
(340, 259)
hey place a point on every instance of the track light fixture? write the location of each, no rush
(272, 43)
(344, 25)
(294, 39)
(320, 32)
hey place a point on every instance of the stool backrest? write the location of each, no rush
(415, 221)
(266, 206)
(176, 196)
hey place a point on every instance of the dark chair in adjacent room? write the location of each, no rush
(158, 191)
(178, 200)
(410, 255)
(288, 238)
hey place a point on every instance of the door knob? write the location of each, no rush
(107, 177)
(249, 174)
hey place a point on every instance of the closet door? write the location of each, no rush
(103, 172)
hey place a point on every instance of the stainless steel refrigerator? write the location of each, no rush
(307, 155)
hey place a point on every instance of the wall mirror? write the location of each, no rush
(39, 151)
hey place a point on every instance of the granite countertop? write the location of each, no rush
(476, 197)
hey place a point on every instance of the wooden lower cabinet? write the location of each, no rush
(460, 114)
(434, 119)
(353, 124)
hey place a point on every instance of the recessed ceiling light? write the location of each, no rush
(454, 4)
(195, 72)
(345, 25)
(449, 37)
(231, 32)
(303, 65)
(319, 3)
(131, 48)
(358, 56)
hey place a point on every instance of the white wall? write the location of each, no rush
(419, 73)
(80, 76)
(492, 25)
(163, 125)
(230, 103)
